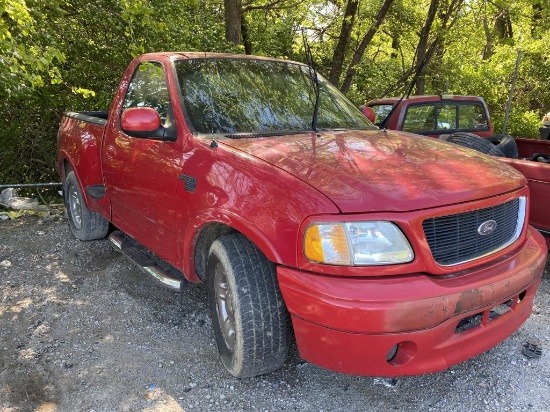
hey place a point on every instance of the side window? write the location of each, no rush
(381, 111)
(472, 116)
(148, 89)
(419, 119)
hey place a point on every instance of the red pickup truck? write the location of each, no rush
(382, 254)
(459, 119)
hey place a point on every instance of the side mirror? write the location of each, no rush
(140, 121)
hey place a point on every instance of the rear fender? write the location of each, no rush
(79, 150)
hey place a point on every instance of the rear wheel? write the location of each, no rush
(249, 317)
(84, 223)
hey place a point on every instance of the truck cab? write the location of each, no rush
(435, 115)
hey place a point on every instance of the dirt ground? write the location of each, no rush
(82, 330)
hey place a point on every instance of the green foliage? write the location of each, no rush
(28, 137)
(272, 36)
(25, 61)
(521, 124)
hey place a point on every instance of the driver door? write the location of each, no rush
(141, 174)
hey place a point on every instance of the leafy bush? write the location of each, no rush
(522, 124)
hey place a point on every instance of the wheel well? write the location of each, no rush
(206, 237)
(66, 168)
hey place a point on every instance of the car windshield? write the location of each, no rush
(231, 95)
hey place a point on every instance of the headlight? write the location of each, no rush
(357, 244)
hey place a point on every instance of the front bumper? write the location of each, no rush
(413, 324)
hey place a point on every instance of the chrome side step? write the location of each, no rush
(128, 247)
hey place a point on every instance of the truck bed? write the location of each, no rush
(99, 117)
(528, 147)
(82, 133)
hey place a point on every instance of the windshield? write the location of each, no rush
(226, 95)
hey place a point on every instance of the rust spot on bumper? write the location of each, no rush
(469, 300)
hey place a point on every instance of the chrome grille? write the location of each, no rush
(456, 239)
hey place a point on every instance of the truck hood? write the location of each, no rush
(372, 170)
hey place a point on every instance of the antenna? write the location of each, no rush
(314, 80)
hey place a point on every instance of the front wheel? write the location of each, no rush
(249, 317)
(84, 223)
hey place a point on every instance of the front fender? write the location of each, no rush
(248, 195)
(232, 222)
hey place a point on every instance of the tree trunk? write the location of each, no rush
(424, 52)
(233, 20)
(422, 48)
(395, 46)
(537, 19)
(488, 49)
(358, 55)
(503, 25)
(246, 37)
(343, 41)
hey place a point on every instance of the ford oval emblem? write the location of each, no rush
(486, 228)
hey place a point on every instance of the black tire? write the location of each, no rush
(249, 317)
(475, 142)
(540, 157)
(84, 223)
(506, 144)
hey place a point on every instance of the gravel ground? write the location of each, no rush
(82, 330)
